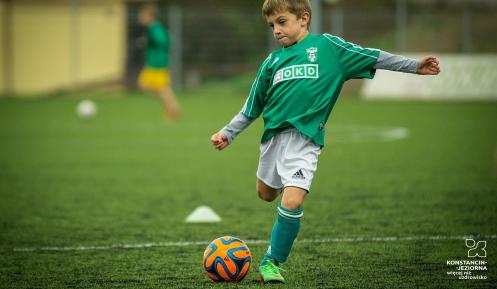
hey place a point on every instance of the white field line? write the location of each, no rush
(250, 242)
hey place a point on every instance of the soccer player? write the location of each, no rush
(295, 90)
(155, 77)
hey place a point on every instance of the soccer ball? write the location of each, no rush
(227, 259)
(86, 109)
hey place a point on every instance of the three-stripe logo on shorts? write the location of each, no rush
(298, 175)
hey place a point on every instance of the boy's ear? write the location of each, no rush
(306, 17)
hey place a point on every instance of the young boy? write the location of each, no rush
(295, 90)
(154, 76)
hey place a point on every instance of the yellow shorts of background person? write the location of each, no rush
(154, 78)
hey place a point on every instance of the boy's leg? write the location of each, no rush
(293, 198)
(287, 224)
(285, 230)
(296, 165)
(266, 192)
(157, 82)
(171, 105)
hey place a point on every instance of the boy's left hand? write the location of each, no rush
(219, 141)
(428, 66)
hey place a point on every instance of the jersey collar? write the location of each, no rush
(297, 44)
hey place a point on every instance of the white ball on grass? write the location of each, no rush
(86, 109)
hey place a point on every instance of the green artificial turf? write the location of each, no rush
(128, 177)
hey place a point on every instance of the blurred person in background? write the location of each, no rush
(155, 76)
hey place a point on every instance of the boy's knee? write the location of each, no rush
(292, 203)
(293, 198)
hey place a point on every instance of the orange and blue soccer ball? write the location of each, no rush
(227, 259)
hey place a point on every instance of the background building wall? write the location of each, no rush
(2, 44)
(40, 46)
(61, 44)
(102, 40)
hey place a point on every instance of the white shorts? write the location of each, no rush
(289, 159)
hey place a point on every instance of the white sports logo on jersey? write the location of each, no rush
(311, 53)
(296, 72)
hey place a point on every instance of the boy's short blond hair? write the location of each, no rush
(296, 7)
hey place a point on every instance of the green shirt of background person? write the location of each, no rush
(157, 53)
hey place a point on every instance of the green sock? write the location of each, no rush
(284, 232)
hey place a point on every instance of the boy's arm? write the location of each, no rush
(251, 110)
(238, 124)
(226, 135)
(426, 66)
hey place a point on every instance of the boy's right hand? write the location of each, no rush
(428, 65)
(219, 141)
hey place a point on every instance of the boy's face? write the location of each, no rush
(145, 18)
(287, 28)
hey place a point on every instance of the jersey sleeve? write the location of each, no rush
(257, 97)
(354, 60)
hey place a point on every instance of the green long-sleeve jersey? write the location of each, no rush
(298, 86)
